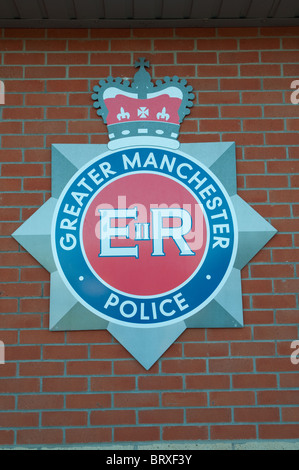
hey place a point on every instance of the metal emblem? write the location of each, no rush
(143, 239)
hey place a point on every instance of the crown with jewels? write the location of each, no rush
(138, 110)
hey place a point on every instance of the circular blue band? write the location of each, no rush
(149, 310)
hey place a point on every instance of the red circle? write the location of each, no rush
(146, 275)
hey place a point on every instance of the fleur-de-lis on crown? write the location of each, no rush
(163, 114)
(123, 115)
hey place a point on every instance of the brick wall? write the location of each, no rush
(83, 387)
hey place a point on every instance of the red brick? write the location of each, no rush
(179, 70)
(10, 127)
(262, 97)
(217, 70)
(65, 352)
(24, 33)
(160, 416)
(279, 56)
(206, 349)
(7, 402)
(279, 431)
(287, 316)
(290, 414)
(178, 433)
(88, 400)
(233, 432)
(184, 399)
(22, 58)
(216, 44)
(253, 349)
(48, 127)
(224, 97)
(130, 45)
(137, 433)
(286, 285)
(196, 57)
(14, 385)
(275, 364)
(16, 169)
(112, 417)
(41, 369)
(64, 418)
(289, 255)
(277, 397)
(109, 384)
(111, 351)
(20, 141)
(220, 125)
(39, 436)
(230, 365)
(64, 384)
(241, 111)
(267, 181)
(160, 383)
(184, 366)
(41, 337)
(256, 415)
(208, 415)
(88, 435)
(240, 84)
(232, 398)
(10, 185)
(238, 32)
(227, 334)
(279, 111)
(282, 138)
(136, 400)
(23, 113)
(259, 70)
(66, 139)
(265, 152)
(34, 305)
(238, 57)
(45, 45)
(88, 44)
(88, 367)
(22, 290)
(8, 305)
(67, 58)
(11, 44)
(206, 382)
(67, 33)
(45, 72)
(253, 286)
(289, 380)
(271, 301)
(40, 402)
(88, 337)
(67, 113)
(46, 99)
(259, 43)
(18, 420)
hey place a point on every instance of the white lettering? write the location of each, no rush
(107, 232)
(71, 241)
(294, 358)
(295, 94)
(176, 233)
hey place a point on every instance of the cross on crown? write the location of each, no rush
(133, 111)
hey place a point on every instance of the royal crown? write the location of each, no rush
(138, 110)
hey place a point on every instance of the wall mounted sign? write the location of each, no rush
(145, 237)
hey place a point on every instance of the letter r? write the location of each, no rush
(176, 233)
